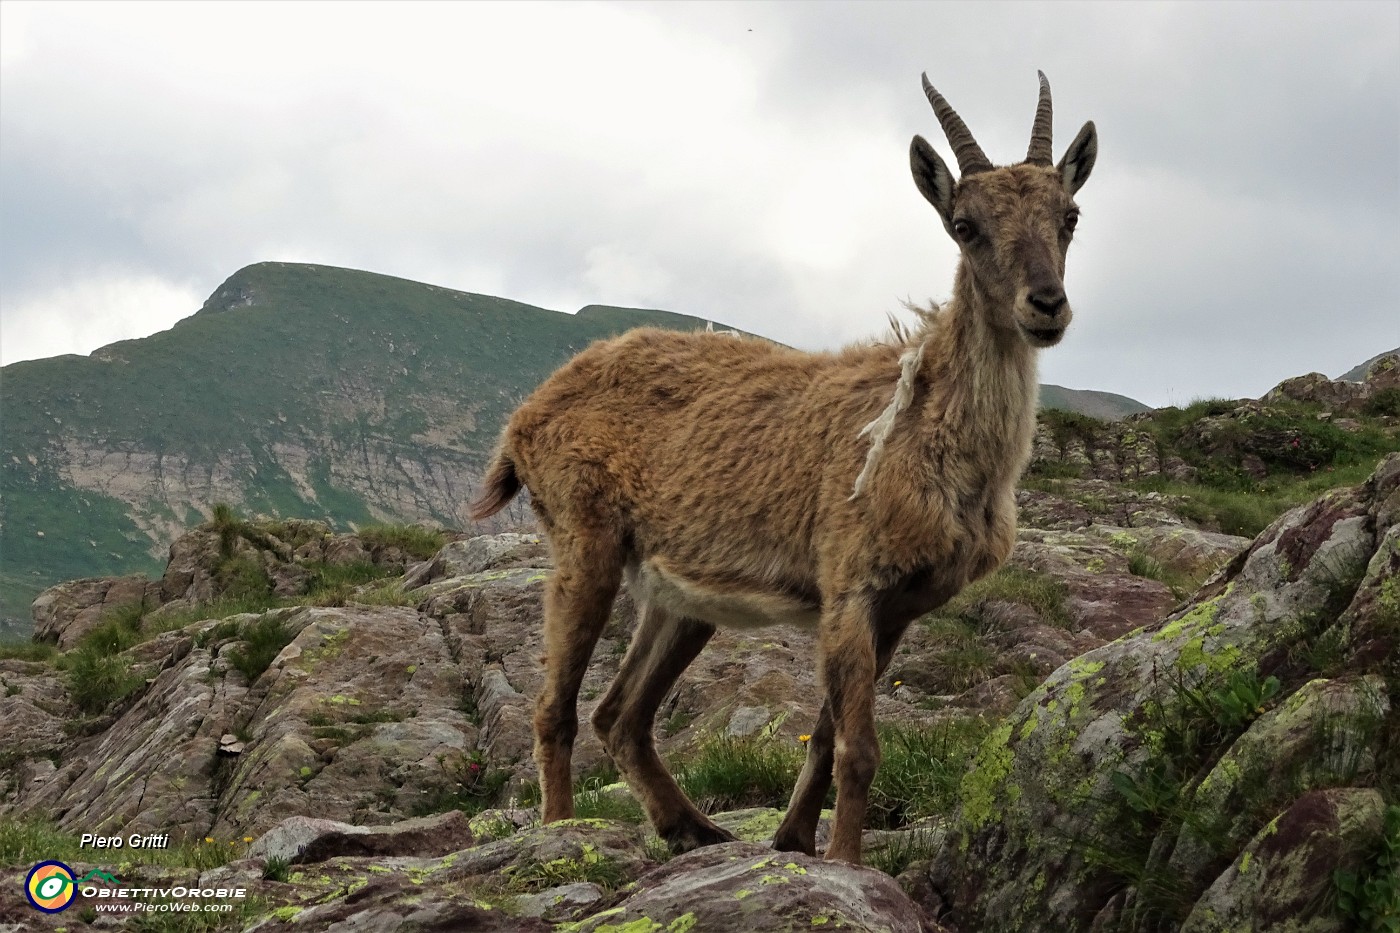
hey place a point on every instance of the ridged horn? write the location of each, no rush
(1040, 152)
(969, 155)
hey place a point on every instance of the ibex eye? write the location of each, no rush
(964, 230)
(1071, 219)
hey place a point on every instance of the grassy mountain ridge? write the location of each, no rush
(1106, 406)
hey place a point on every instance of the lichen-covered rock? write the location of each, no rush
(1384, 373)
(1317, 388)
(1320, 737)
(743, 886)
(475, 555)
(559, 902)
(1283, 880)
(360, 716)
(1161, 740)
(1079, 503)
(397, 904)
(33, 708)
(150, 771)
(495, 823)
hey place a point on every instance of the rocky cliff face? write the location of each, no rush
(1214, 769)
(308, 699)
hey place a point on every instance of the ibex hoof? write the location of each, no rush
(695, 835)
(794, 842)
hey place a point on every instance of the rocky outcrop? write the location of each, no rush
(301, 839)
(1337, 394)
(208, 563)
(503, 551)
(63, 614)
(1137, 786)
(1288, 869)
(744, 886)
(1303, 425)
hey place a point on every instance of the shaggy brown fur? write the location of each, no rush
(717, 476)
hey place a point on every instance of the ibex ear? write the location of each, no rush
(1079, 158)
(933, 179)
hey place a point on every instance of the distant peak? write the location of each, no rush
(239, 290)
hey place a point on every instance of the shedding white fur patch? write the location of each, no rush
(879, 429)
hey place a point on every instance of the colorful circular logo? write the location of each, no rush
(50, 887)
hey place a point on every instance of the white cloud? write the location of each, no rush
(740, 162)
(103, 307)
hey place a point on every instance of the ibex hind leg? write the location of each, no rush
(662, 648)
(578, 600)
(798, 831)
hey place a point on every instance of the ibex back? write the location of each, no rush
(739, 483)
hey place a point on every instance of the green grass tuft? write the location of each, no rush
(1041, 592)
(26, 841)
(276, 868)
(1371, 897)
(420, 542)
(962, 659)
(896, 855)
(476, 786)
(921, 770)
(97, 679)
(25, 650)
(723, 773)
(262, 641)
(1385, 403)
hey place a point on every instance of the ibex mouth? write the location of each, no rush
(1042, 336)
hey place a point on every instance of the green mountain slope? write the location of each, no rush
(1106, 406)
(296, 390)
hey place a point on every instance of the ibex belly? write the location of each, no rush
(726, 604)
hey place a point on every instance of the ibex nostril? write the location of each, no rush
(1047, 301)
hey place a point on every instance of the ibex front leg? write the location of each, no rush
(799, 827)
(848, 668)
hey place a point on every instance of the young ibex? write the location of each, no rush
(736, 482)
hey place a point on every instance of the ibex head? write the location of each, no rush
(1014, 223)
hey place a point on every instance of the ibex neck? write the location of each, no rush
(981, 384)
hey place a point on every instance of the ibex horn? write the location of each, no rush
(1040, 153)
(965, 149)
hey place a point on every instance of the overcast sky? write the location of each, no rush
(746, 163)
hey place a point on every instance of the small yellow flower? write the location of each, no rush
(247, 838)
(899, 683)
(804, 738)
(209, 839)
